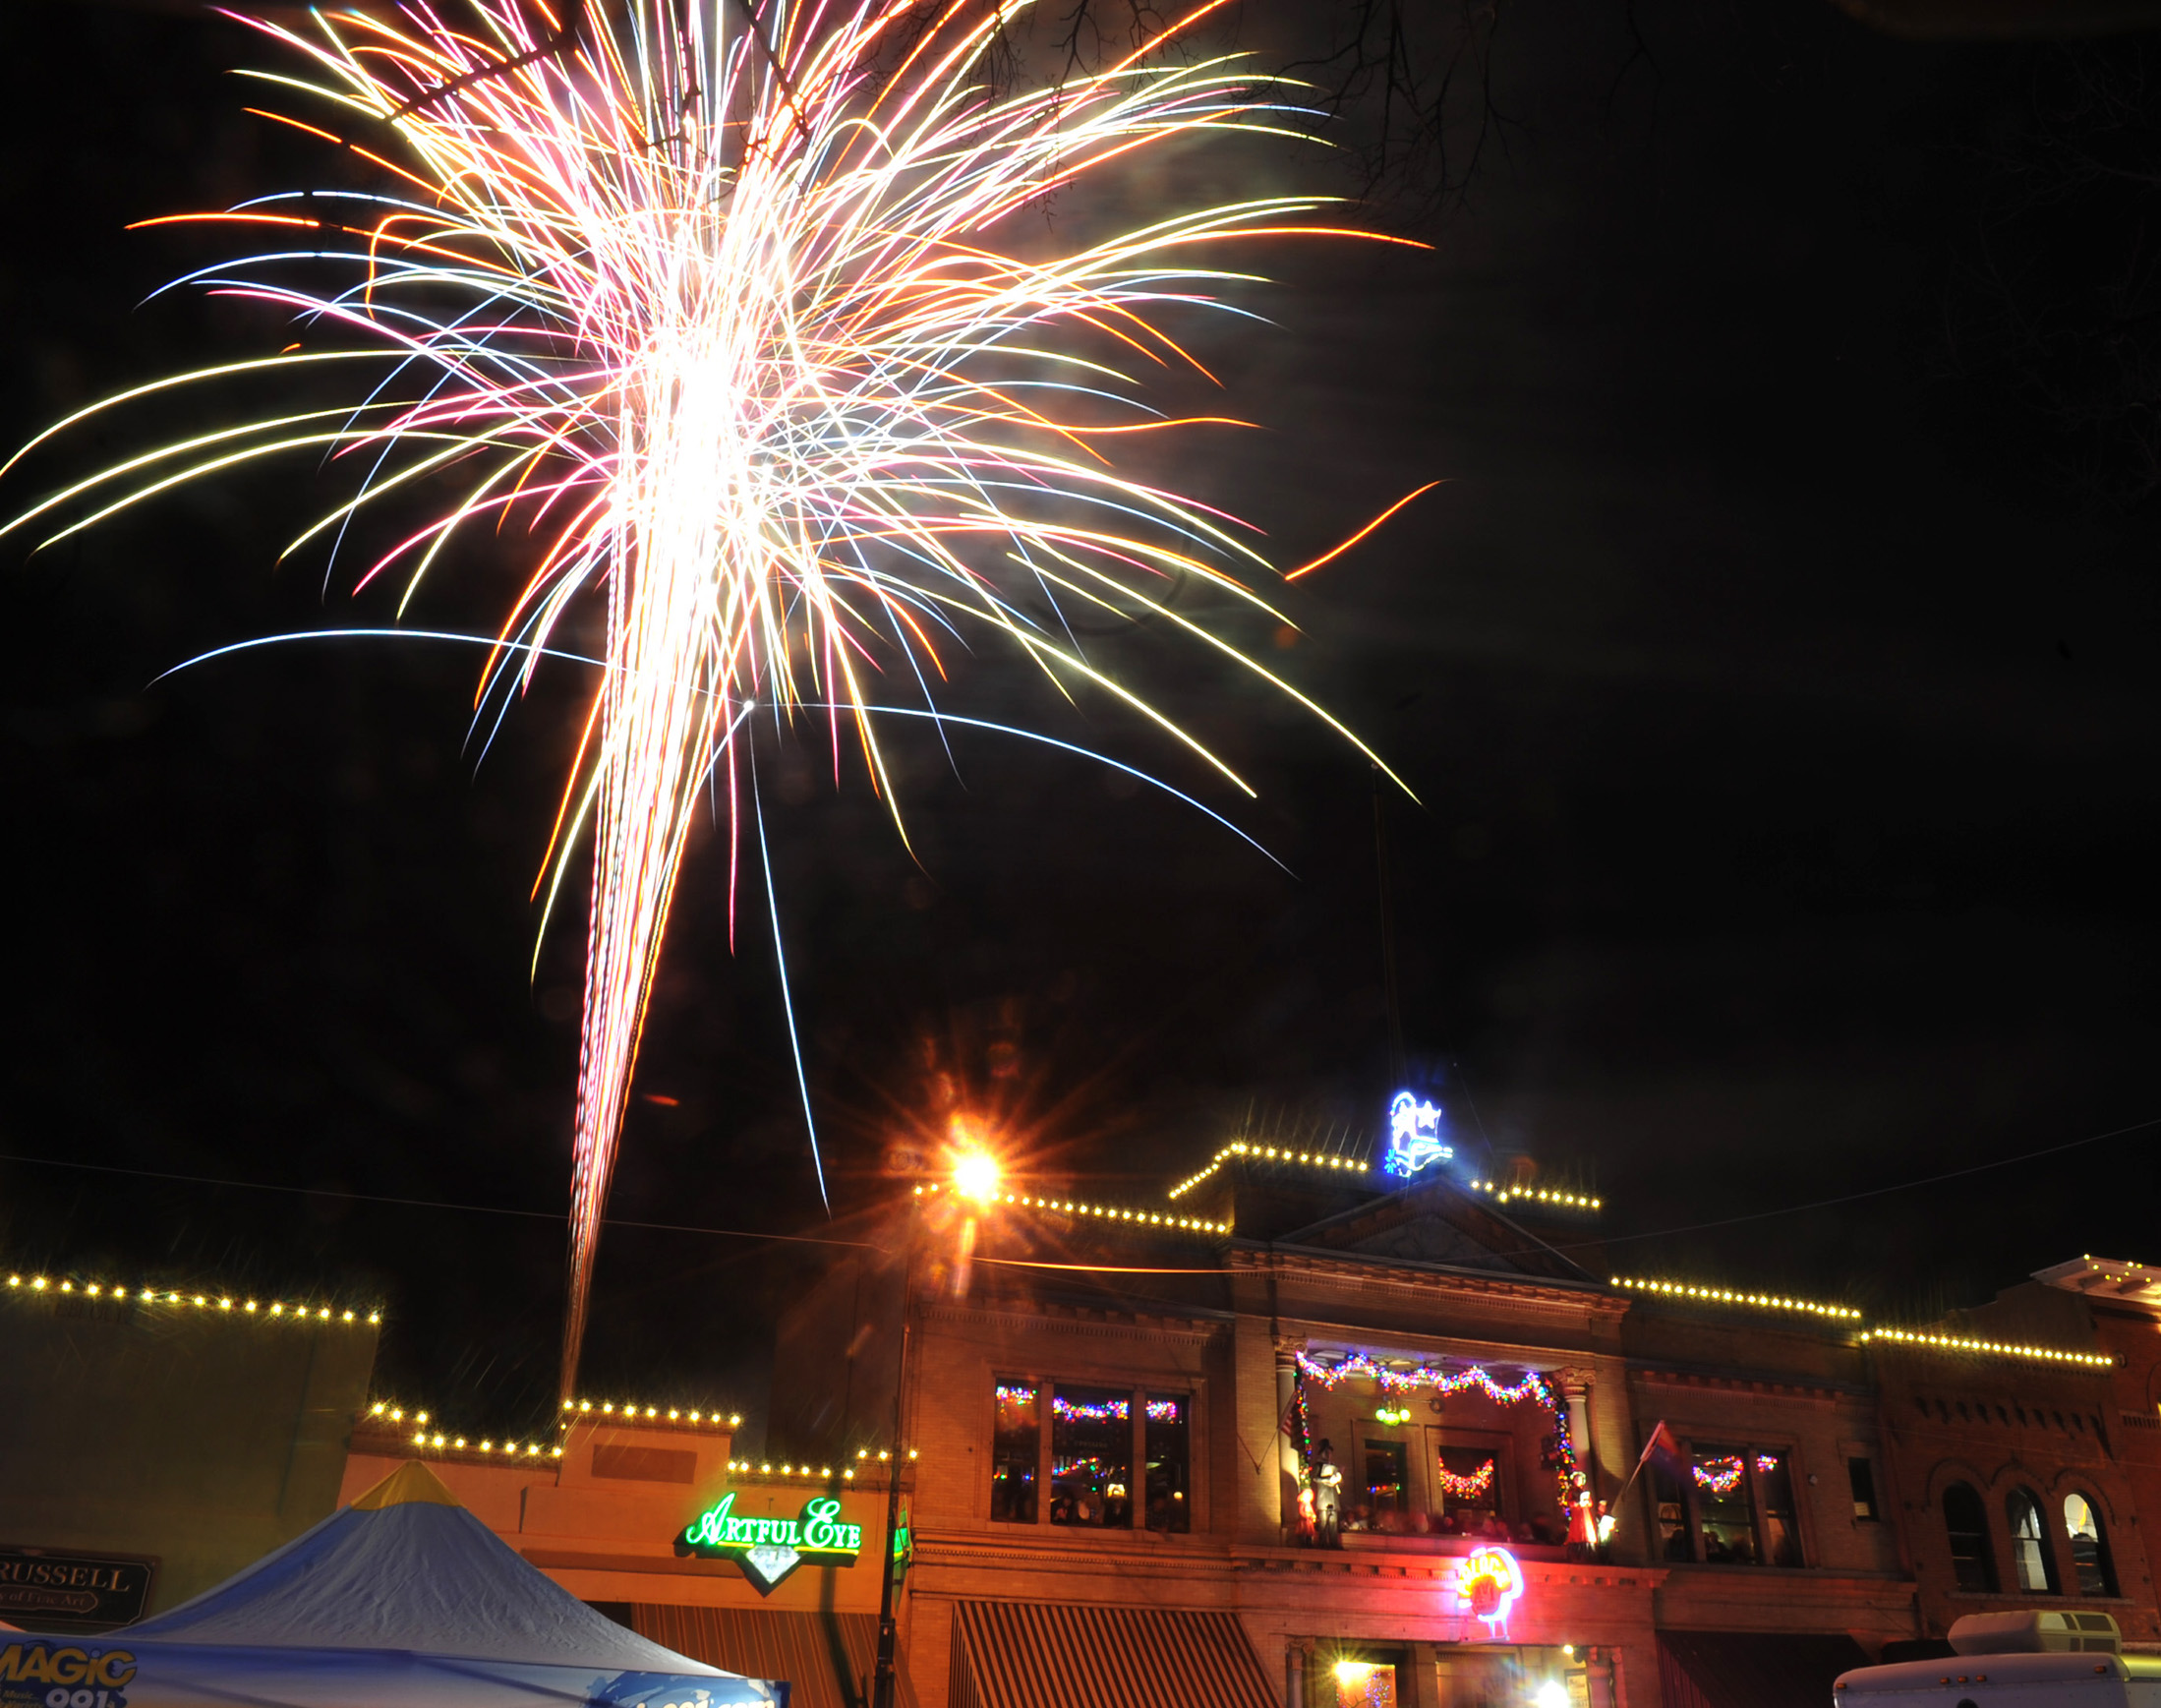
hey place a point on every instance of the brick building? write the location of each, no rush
(1122, 1424)
(1117, 1407)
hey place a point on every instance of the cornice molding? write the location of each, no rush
(1404, 1280)
(1056, 1318)
(1750, 1381)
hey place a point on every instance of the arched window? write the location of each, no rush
(2089, 1548)
(1972, 1560)
(2029, 1545)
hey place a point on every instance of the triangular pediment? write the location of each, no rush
(1439, 1222)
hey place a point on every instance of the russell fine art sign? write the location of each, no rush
(769, 1549)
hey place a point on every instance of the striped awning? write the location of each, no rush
(1040, 1655)
(826, 1657)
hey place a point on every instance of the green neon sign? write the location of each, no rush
(769, 1549)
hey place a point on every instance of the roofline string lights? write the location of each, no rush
(394, 1417)
(1847, 1314)
(1537, 1195)
(1107, 1213)
(277, 1309)
(679, 1416)
(1727, 1296)
(2001, 1349)
(846, 1473)
(1239, 1148)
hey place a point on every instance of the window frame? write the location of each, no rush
(1860, 1468)
(1189, 1386)
(1758, 1506)
(1041, 1389)
(2052, 1576)
(1991, 1578)
(1498, 1446)
(2112, 1588)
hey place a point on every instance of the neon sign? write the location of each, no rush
(1487, 1585)
(1413, 1135)
(769, 1549)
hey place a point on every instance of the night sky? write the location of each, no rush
(1775, 672)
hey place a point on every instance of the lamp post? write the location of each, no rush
(974, 1175)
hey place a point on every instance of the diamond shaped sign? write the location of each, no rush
(768, 1563)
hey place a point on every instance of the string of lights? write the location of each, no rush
(1531, 1385)
(1720, 1476)
(1475, 1487)
(674, 1414)
(2001, 1349)
(1536, 1194)
(277, 1310)
(1322, 1160)
(1102, 1212)
(1727, 1296)
(392, 1418)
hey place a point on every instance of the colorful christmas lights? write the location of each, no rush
(1720, 1476)
(1475, 1487)
(2001, 1348)
(1531, 1385)
(222, 1302)
(1090, 1412)
(1727, 1296)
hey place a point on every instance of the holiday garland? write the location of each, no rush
(1530, 1385)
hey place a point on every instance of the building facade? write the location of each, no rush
(1129, 1415)
(1296, 1435)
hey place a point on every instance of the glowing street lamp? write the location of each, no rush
(977, 1176)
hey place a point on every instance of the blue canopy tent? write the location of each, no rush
(401, 1600)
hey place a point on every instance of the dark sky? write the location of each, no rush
(1775, 677)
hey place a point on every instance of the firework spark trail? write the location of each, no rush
(746, 343)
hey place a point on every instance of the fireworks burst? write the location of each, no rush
(746, 333)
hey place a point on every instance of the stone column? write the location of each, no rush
(1294, 1673)
(1575, 1387)
(1290, 1473)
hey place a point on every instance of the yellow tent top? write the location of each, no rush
(411, 1482)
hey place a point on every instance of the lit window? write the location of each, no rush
(1725, 1513)
(2089, 1548)
(1386, 1487)
(1860, 1476)
(2029, 1547)
(1965, 1523)
(1470, 1480)
(1092, 1457)
(1365, 1684)
(1166, 1444)
(1016, 1449)
(1775, 1490)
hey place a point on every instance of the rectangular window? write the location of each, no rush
(1725, 1513)
(1860, 1475)
(1387, 1487)
(1775, 1489)
(1016, 1451)
(1671, 1512)
(1091, 1456)
(1165, 1439)
(1469, 1480)
(1365, 1683)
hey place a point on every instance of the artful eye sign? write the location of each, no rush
(769, 1549)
